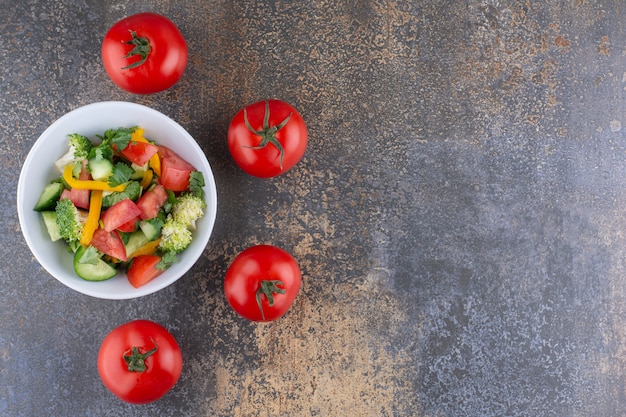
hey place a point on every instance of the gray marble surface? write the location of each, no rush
(458, 216)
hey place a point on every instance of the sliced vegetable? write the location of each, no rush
(49, 197)
(80, 198)
(50, 221)
(149, 248)
(95, 206)
(146, 179)
(155, 161)
(155, 164)
(89, 184)
(151, 228)
(130, 226)
(175, 171)
(143, 270)
(151, 202)
(100, 168)
(89, 266)
(134, 241)
(119, 213)
(109, 243)
(139, 152)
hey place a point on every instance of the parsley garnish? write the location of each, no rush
(89, 256)
(119, 137)
(196, 182)
(121, 174)
(167, 259)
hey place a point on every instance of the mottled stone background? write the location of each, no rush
(458, 216)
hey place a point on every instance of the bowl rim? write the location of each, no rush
(177, 270)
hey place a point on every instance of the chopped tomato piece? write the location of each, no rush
(109, 243)
(143, 270)
(164, 152)
(139, 152)
(80, 198)
(175, 171)
(129, 226)
(119, 213)
(84, 172)
(151, 201)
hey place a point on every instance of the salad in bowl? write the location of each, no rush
(116, 200)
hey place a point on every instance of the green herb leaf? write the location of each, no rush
(157, 223)
(121, 138)
(90, 256)
(132, 191)
(101, 152)
(196, 182)
(121, 174)
(167, 259)
(171, 200)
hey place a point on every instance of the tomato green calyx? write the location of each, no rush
(267, 134)
(135, 360)
(268, 288)
(141, 48)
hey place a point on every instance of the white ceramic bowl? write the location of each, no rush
(39, 170)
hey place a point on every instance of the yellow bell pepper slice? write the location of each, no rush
(93, 218)
(155, 164)
(88, 184)
(148, 249)
(146, 180)
(137, 135)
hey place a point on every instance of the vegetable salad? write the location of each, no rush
(123, 203)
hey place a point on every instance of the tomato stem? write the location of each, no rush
(267, 134)
(135, 360)
(141, 48)
(268, 288)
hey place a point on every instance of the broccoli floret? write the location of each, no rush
(187, 209)
(70, 220)
(175, 236)
(79, 149)
(81, 146)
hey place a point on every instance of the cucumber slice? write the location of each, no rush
(93, 270)
(100, 169)
(135, 241)
(50, 220)
(138, 171)
(151, 228)
(49, 197)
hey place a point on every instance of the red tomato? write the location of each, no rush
(151, 201)
(139, 152)
(109, 243)
(144, 53)
(80, 198)
(262, 283)
(164, 152)
(267, 138)
(140, 361)
(143, 270)
(119, 213)
(129, 226)
(175, 170)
